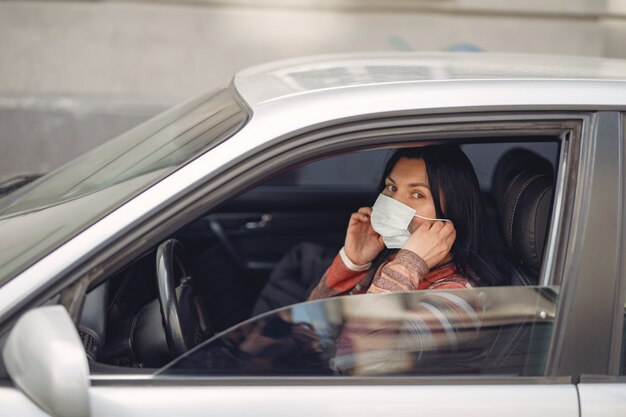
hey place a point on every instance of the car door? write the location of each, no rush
(550, 388)
(478, 393)
(603, 393)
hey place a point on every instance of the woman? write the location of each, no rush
(427, 230)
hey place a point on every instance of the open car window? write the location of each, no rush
(242, 270)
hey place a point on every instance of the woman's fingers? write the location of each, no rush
(424, 226)
(362, 243)
(438, 227)
(432, 227)
(444, 228)
(447, 228)
(446, 232)
(362, 215)
(432, 241)
(451, 236)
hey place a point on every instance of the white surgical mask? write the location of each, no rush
(391, 219)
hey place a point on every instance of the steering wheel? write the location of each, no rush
(178, 309)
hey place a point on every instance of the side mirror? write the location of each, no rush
(46, 360)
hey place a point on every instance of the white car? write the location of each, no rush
(139, 279)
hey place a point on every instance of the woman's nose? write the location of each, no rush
(402, 199)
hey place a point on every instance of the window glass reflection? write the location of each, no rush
(482, 331)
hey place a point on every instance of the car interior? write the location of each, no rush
(217, 271)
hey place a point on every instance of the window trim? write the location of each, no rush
(618, 326)
(581, 347)
(208, 381)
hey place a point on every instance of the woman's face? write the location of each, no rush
(408, 183)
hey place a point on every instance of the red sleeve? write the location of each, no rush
(338, 279)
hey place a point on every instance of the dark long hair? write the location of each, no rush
(451, 176)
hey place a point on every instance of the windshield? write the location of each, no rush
(42, 215)
(486, 331)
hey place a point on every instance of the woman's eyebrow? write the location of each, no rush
(413, 184)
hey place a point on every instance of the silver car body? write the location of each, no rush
(291, 100)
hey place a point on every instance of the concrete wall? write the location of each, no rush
(163, 50)
(75, 73)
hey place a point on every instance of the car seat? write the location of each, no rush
(522, 187)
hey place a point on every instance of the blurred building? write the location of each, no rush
(73, 74)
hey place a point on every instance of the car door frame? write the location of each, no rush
(554, 395)
(573, 127)
(602, 394)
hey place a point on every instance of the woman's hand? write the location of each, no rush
(362, 242)
(432, 241)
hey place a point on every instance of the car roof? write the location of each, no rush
(278, 80)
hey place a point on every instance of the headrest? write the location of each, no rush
(523, 187)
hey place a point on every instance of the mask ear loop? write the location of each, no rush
(431, 219)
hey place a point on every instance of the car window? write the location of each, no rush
(487, 331)
(165, 141)
(485, 157)
(358, 169)
(256, 258)
(364, 169)
(55, 207)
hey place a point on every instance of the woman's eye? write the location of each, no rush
(417, 195)
(391, 188)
